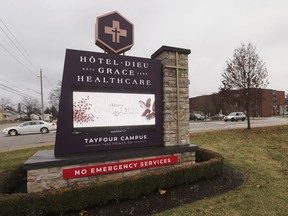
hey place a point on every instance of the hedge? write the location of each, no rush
(209, 164)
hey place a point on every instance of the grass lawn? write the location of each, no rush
(260, 153)
(17, 158)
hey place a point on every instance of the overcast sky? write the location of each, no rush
(211, 29)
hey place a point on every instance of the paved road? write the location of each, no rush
(221, 125)
(8, 143)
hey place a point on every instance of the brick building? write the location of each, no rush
(273, 103)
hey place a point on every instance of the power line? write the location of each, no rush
(14, 86)
(27, 57)
(11, 84)
(16, 59)
(32, 62)
(48, 81)
(37, 66)
(14, 91)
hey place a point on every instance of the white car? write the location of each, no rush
(36, 126)
(235, 116)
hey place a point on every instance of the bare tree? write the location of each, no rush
(31, 105)
(4, 102)
(243, 78)
(54, 95)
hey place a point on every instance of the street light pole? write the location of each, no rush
(42, 103)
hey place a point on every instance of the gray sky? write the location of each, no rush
(211, 29)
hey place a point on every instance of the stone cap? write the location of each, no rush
(172, 49)
(47, 159)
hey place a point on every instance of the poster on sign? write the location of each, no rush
(109, 102)
(106, 110)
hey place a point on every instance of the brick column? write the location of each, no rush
(175, 94)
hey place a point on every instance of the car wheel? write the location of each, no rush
(44, 130)
(13, 133)
(232, 120)
(243, 119)
(225, 120)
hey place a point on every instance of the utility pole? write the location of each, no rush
(42, 103)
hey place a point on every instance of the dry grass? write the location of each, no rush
(262, 154)
(17, 158)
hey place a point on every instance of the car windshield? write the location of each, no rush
(232, 114)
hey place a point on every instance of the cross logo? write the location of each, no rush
(115, 31)
(114, 34)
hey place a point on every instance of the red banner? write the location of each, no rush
(118, 167)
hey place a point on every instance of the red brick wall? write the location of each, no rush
(213, 104)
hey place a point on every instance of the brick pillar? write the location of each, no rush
(175, 94)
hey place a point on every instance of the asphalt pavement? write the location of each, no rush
(38, 140)
(210, 125)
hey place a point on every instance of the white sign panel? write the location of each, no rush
(106, 109)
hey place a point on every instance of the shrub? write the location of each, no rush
(63, 200)
(11, 178)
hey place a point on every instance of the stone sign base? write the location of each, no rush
(45, 171)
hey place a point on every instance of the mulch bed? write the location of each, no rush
(174, 197)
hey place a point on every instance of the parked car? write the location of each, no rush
(196, 117)
(218, 117)
(235, 116)
(28, 127)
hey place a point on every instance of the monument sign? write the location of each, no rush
(123, 112)
(109, 101)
